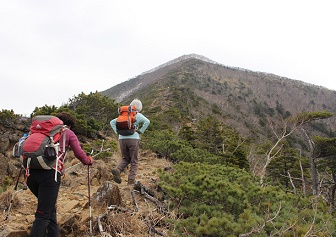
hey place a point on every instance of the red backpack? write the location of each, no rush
(40, 149)
(126, 120)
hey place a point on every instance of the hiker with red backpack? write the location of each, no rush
(44, 183)
(126, 125)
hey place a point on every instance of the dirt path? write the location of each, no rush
(73, 206)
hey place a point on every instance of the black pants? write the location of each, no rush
(43, 185)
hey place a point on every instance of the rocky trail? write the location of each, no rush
(116, 209)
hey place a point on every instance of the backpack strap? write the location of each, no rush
(27, 169)
(63, 148)
(63, 152)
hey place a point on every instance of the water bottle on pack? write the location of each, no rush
(23, 138)
(17, 147)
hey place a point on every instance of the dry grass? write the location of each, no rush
(145, 222)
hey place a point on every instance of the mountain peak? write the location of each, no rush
(194, 56)
(182, 58)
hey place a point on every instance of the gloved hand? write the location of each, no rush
(91, 160)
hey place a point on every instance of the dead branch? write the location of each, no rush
(291, 180)
(308, 233)
(145, 192)
(302, 175)
(110, 208)
(117, 208)
(154, 200)
(101, 230)
(239, 145)
(285, 132)
(312, 163)
(258, 229)
(134, 201)
(283, 230)
(152, 228)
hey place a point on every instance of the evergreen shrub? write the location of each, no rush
(217, 200)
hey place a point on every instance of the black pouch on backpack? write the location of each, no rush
(50, 153)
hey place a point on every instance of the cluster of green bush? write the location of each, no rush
(208, 141)
(93, 113)
(218, 200)
(212, 192)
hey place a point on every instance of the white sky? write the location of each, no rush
(53, 50)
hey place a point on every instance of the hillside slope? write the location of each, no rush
(246, 100)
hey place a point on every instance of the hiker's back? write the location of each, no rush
(41, 147)
(126, 121)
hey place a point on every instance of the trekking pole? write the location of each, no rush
(92, 157)
(89, 200)
(13, 194)
(102, 146)
(73, 166)
(80, 162)
(107, 149)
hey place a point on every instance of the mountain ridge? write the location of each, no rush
(245, 99)
(114, 92)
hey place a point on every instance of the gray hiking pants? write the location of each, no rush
(130, 155)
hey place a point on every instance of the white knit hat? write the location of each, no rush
(137, 103)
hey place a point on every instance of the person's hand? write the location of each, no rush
(91, 160)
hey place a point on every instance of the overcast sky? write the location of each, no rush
(53, 50)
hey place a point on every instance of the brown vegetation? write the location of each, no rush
(116, 209)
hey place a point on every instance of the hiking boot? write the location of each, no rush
(131, 182)
(116, 175)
